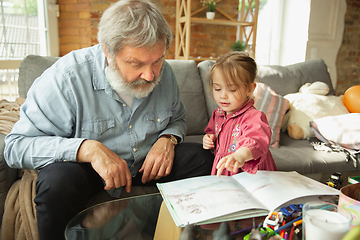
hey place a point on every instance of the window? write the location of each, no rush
(26, 27)
(282, 32)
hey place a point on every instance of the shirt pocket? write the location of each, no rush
(98, 129)
(157, 120)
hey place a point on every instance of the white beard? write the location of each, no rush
(122, 85)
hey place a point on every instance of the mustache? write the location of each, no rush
(122, 85)
(140, 81)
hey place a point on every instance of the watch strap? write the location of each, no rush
(171, 138)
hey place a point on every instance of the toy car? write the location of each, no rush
(273, 220)
(335, 180)
(292, 211)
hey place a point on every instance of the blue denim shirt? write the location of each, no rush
(73, 101)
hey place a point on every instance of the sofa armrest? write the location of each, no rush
(32, 67)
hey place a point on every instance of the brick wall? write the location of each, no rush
(213, 40)
(75, 25)
(348, 59)
(79, 19)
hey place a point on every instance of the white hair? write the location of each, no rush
(134, 23)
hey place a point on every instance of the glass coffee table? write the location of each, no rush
(128, 218)
(138, 218)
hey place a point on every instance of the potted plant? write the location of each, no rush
(211, 6)
(238, 46)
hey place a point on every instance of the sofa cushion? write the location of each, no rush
(274, 106)
(32, 67)
(204, 68)
(299, 155)
(288, 79)
(191, 94)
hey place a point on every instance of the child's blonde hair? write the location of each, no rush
(236, 68)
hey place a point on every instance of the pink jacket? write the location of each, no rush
(247, 127)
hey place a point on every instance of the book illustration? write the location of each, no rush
(205, 195)
(188, 202)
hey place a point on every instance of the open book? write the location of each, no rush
(209, 199)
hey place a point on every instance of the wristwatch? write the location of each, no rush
(172, 138)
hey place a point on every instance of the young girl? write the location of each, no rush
(239, 133)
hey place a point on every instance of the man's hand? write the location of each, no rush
(159, 160)
(112, 168)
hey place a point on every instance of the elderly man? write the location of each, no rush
(105, 117)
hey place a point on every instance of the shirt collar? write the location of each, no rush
(100, 81)
(243, 109)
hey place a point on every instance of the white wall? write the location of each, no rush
(326, 30)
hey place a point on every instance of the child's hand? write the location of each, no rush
(234, 161)
(209, 141)
(230, 163)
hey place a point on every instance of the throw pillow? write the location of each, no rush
(274, 106)
(342, 130)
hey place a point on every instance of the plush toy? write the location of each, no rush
(308, 104)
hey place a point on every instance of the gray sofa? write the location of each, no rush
(292, 155)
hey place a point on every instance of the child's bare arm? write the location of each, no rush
(234, 161)
(209, 141)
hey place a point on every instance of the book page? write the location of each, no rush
(198, 199)
(274, 188)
